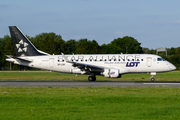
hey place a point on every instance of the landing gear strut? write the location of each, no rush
(92, 78)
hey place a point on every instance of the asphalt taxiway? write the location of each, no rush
(90, 84)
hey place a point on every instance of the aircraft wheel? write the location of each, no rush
(152, 79)
(92, 78)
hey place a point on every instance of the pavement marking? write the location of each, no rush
(90, 84)
(162, 83)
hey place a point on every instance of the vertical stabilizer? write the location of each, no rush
(22, 46)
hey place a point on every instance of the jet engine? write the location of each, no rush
(111, 73)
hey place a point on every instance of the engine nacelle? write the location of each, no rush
(77, 71)
(111, 73)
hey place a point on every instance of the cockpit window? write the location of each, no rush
(161, 59)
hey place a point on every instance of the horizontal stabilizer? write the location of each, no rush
(25, 60)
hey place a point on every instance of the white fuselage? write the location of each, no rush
(125, 63)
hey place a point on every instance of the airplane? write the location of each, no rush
(107, 65)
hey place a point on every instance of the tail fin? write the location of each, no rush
(22, 46)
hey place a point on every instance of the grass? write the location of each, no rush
(79, 103)
(169, 76)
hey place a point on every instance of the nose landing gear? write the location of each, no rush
(152, 78)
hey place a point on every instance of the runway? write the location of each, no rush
(89, 84)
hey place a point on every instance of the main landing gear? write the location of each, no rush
(92, 78)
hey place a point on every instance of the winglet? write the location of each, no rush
(66, 59)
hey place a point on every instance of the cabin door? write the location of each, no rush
(51, 62)
(149, 61)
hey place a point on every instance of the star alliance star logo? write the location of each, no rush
(22, 46)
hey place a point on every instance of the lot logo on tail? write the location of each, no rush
(132, 64)
(22, 46)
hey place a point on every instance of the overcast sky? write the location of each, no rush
(154, 23)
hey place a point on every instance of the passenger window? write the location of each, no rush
(141, 59)
(137, 59)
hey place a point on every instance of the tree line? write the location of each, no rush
(54, 44)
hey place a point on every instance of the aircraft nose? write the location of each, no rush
(172, 67)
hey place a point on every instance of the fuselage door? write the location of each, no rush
(51, 62)
(149, 61)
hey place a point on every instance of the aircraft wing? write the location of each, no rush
(83, 65)
(87, 65)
